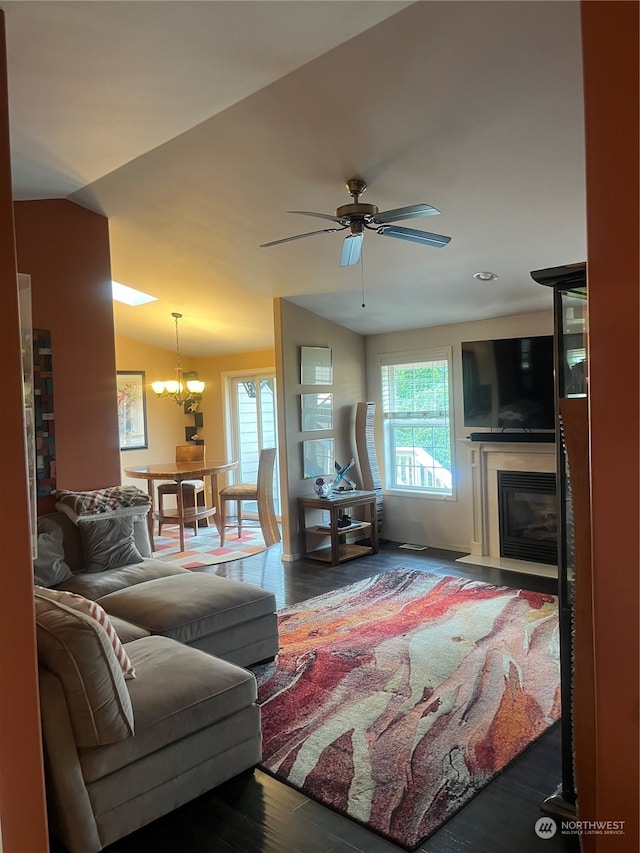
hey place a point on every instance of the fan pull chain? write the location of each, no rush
(362, 275)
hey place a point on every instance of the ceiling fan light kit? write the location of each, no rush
(357, 216)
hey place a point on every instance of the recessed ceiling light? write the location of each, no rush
(485, 276)
(129, 295)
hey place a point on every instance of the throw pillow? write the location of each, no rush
(49, 567)
(95, 611)
(108, 543)
(75, 649)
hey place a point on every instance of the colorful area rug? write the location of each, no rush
(204, 549)
(396, 699)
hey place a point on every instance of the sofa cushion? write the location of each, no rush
(49, 567)
(203, 690)
(127, 631)
(108, 543)
(76, 649)
(60, 520)
(190, 607)
(96, 584)
(95, 611)
(71, 543)
(102, 506)
(140, 525)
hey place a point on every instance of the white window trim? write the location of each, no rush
(401, 357)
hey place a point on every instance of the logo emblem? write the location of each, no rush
(545, 827)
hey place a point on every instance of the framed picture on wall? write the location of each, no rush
(132, 410)
(316, 411)
(315, 366)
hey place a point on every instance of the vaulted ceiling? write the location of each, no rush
(195, 126)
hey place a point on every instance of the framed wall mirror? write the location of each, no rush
(315, 366)
(318, 458)
(316, 411)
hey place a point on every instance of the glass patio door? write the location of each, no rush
(251, 426)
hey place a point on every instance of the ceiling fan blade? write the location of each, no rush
(424, 237)
(300, 236)
(318, 215)
(351, 250)
(404, 213)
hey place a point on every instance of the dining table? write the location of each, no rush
(178, 472)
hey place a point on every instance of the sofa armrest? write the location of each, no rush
(70, 812)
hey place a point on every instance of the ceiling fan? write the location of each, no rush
(356, 217)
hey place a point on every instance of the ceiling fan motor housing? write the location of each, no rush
(365, 212)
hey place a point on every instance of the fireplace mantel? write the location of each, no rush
(486, 458)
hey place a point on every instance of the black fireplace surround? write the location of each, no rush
(528, 516)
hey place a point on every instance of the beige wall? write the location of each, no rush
(440, 523)
(296, 327)
(418, 520)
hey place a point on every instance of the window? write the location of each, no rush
(417, 422)
(251, 425)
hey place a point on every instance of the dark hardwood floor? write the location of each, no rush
(258, 814)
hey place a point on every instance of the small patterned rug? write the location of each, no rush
(205, 549)
(396, 699)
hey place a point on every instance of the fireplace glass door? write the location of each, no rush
(528, 516)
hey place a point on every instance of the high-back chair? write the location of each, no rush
(262, 492)
(192, 490)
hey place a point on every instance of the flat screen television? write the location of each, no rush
(508, 383)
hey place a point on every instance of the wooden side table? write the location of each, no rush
(331, 544)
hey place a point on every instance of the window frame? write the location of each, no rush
(416, 356)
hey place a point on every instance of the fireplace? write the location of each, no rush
(486, 460)
(527, 515)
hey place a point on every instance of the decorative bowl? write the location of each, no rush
(323, 488)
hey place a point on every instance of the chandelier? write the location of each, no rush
(186, 387)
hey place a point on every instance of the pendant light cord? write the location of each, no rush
(176, 318)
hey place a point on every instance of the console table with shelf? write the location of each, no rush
(328, 543)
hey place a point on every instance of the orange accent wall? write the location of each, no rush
(611, 72)
(65, 250)
(22, 808)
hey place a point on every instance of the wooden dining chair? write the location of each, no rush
(261, 492)
(192, 490)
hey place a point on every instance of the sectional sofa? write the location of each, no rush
(122, 751)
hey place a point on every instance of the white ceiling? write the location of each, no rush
(194, 126)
